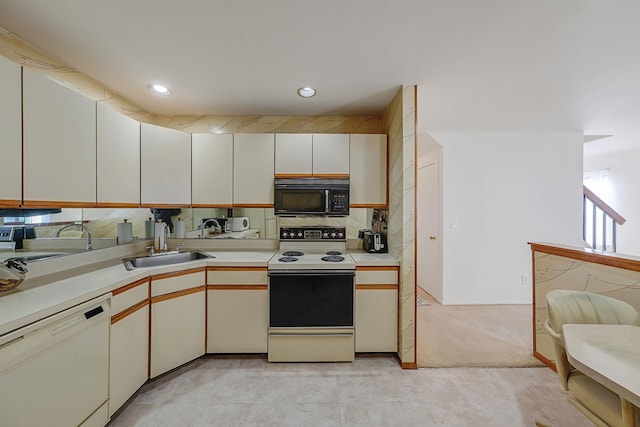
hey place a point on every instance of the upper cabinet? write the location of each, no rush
(330, 154)
(253, 169)
(118, 162)
(294, 154)
(165, 166)
(300, 154)
(212, 170)
(10, 134)
(368, 171)
(59, 148)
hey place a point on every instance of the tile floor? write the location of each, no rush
(371, 391)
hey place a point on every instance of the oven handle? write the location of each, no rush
(305, 272)
(283, 334)
(326, 201)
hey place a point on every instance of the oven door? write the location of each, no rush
(301, 201)
(311, 298)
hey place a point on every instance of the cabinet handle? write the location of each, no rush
(432, 237)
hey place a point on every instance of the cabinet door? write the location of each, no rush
(177, 330)
(293, 154)
(10, 133)
(129, 356)
(237, 319)
(376, 320)
(165, 166)
(331, 154)
(59, 144)
(253, 170)
(368, 171)
(118, 156)
(212, 174)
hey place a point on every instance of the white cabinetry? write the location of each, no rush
(253, 170)
(376, 309)
(59, 144)
(129, 350)
(330, 154)
(294, 154)
(368, 171)
(10, 133)
(177, 319)
(118, 156)
(299, 154)
(237, 310)
(212, 173)
(165, 166)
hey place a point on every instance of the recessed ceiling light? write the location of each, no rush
(306, 91)
(159, 88)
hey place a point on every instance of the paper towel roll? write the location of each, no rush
(125, 232)
(180, 229)
(149, 229)
(160, 239)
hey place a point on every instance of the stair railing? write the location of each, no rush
(600, 212)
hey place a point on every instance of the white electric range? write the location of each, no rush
(311, 297)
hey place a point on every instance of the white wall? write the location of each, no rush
(623, 176)
(503, 190)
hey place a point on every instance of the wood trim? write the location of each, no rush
(589, 255)
(58, 204)
(212, 205)
(368, 206)
(236, 287)
(414, 365)
(602, 205)
(378, 268)
(113, 205)
(10, 203)
(332, 175)
(178, 294)
(177, 273)
(253, 205)
(236, 268)
(378, 287)
(129, 311)
(544, 360)
(165, 206)
(409, 365)
(292, 175)
(132, 285)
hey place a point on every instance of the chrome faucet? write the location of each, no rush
(83, 227)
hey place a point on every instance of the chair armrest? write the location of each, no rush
(558, 337)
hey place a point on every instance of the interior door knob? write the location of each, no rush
(432, 237)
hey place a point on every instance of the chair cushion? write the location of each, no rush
(600, 400)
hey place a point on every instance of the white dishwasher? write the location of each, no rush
(55, 372)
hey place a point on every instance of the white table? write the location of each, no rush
(610, 354)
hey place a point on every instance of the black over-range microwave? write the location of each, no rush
(311, 196)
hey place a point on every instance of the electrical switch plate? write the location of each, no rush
(525, 279)
(454, 223)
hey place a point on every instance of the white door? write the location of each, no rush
(429, 265)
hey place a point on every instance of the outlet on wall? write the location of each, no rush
(525, 279)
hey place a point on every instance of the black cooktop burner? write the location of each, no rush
(334, 253)
(292, 253)
(287, 259)
(332, 258)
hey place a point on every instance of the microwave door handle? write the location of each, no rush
(326, 201)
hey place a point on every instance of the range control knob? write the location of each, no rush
(333, 235)
(285, 234)
(325, 234)
(340, 235)
(299, 234)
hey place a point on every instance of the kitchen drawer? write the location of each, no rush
(376, 275)
(300, 347)
(174, 282)
(129, 295)
(237, 276)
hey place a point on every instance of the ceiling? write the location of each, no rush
(480, 65)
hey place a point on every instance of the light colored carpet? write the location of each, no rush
(474, 336)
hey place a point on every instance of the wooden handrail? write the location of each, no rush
(603, 206)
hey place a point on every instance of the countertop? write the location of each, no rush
(44, 296)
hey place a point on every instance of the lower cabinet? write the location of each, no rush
(129, 350)
(376, 309)
(237, 310)
(177, 319)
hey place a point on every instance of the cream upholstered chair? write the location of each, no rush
(598, 403)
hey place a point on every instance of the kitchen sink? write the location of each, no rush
(163, 259)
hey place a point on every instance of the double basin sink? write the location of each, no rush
(163, 259)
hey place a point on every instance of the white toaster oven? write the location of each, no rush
(239, 224)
